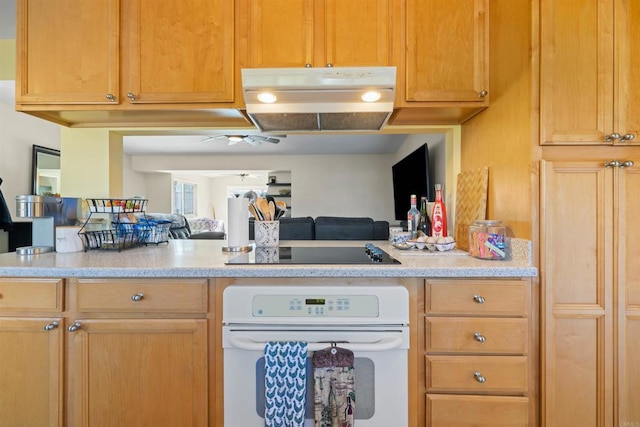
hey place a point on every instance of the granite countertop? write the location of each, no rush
(205, 258)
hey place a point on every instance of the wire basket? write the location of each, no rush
(116, 205)
(158, 230)
(123, 236)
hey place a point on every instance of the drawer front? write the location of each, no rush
(477, 297)
(139, 295)
(476, 411)
(31, 295)
(477, 374)
(476, 335)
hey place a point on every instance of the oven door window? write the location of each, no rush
(364, 388)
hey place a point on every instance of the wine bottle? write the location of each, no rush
(413, 216)
(439, 215)
(348, 413)
(425, 222)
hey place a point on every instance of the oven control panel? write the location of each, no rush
(315, 306)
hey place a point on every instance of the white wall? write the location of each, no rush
(18, 133)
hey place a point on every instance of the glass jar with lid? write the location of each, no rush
(487, 239)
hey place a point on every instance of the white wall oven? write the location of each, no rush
(371, 321)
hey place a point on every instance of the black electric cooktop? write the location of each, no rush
(367, 254)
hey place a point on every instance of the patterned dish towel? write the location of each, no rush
(285, 379)
(334, 387)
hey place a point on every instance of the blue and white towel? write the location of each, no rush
(285, 379)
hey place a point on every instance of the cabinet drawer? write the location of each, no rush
(139, 295)
(477, 374)
(476, 411)
(476, 335)
(31, 295)
(477, 297)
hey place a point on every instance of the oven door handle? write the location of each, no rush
(384, 344)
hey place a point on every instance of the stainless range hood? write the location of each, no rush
(319, 99)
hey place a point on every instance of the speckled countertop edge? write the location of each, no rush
(205, 258)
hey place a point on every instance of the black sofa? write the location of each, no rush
(329, 228)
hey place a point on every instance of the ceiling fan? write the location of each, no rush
(254, 140)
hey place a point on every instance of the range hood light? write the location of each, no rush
(267, 97)
(371, 96)
(319, 99)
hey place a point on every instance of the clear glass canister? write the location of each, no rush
(487, 240)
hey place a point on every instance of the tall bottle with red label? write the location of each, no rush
(439, 215)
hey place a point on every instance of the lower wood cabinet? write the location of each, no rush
(31, 352)
(478, 365)
(137, 372)
(120, 352)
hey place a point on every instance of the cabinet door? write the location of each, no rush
(628, 269)
(628, 71)
(358, 33)
(294, 33)
(576, 71)
(577, 288)
(30, 372)
(67, 51)
(278, 33)
(181, 52)
(447, 50)
(131, 372)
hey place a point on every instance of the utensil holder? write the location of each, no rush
(267, 233)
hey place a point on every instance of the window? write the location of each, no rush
(184, 198)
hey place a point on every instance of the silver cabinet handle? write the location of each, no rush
(137, 297)
(479, 337)
(627, 137)
(612, 164)
(307, 65)
(329, 65)
(626, 164)
(50, 326)
(110, 97)
(131, 96)
(478, 298)
(479, 377)
(483, 93)
(612, 136)
(74, 327)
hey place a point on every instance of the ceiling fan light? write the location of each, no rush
(371, 96)
(234, 138)
(267, 97)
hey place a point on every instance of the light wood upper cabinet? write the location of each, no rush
(591, 298)
(67, 51)
(447, 57)
(181, 52)
(122, 53)
(590, 73)
(317, 33)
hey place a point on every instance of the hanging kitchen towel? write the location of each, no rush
(285, 378)
(334, 387)
(6, 223)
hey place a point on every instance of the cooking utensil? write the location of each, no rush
(272, 211)
(255, 212)
(263, 206)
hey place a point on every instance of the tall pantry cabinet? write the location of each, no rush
(590, 181)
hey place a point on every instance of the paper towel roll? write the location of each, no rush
(238, 218)
(67, 239)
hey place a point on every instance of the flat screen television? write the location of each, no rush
(412, 175)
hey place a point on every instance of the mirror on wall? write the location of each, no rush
(45, 171)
